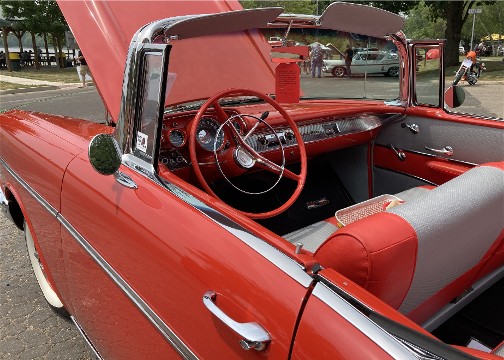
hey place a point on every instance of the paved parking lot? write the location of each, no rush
(29, 329)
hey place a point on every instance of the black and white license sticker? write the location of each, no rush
(141, 143)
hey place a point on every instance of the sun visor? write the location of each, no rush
(360, 19)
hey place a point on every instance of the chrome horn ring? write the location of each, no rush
(244, 155)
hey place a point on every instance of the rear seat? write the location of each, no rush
(421, 254)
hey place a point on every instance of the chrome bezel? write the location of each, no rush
(184, 138)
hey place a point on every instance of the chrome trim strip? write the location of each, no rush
(368, 327)
(158, 323)
(408, 175)
(88, 342)
(155, 320)
(285, 263)
(432, 155)
(30, 190)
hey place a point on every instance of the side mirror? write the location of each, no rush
(454, 96)
(104, 154)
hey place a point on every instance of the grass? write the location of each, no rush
(10, 86)
(494, 69)
(47, 73)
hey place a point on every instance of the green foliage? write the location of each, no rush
(39, 16)
(420, 24)
(490, 21)
(292, 7)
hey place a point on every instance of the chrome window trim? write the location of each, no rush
(144, 308)
(369, 328)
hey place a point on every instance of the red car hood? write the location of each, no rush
(104, 29)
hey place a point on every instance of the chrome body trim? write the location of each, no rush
(88, 342)
(285, 263)
(155, 320)
(369, 328)
(53, 211)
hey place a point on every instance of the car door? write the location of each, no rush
(343, 321)
(434, 143)
(155, 272)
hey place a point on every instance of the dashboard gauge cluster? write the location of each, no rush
(177, 138)
(206, 134)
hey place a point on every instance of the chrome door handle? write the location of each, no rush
(448, 150)
(400, 154)
(254, 336)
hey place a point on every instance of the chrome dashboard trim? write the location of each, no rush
(368, 327)
(324, 129)
(144, 308)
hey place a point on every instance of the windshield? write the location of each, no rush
(342, 65)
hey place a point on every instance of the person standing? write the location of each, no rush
(316, 60)
(348, 60)
(84, 69)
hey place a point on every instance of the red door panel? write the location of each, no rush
(170, 254)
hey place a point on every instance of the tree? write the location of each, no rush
(292, 7)
(420, 24)
(489, 21)
(39, 17)
(456, 14)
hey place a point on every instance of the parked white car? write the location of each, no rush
(372, 62)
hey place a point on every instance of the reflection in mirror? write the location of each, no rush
(104, 154)
(454, 96)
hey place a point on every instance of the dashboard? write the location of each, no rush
(319, 134)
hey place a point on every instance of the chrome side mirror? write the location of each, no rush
(454, 96)
(104, 154)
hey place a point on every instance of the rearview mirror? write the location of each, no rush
(104, 154)
(454, 96)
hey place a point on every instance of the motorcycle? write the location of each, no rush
(469, 72)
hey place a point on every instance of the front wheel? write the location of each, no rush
(393, 72)
(338, 71)
(49, 294)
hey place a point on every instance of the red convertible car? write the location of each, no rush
(232, 210)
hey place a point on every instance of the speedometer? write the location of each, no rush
(206, 133)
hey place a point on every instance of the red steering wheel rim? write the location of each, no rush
(213, 101)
